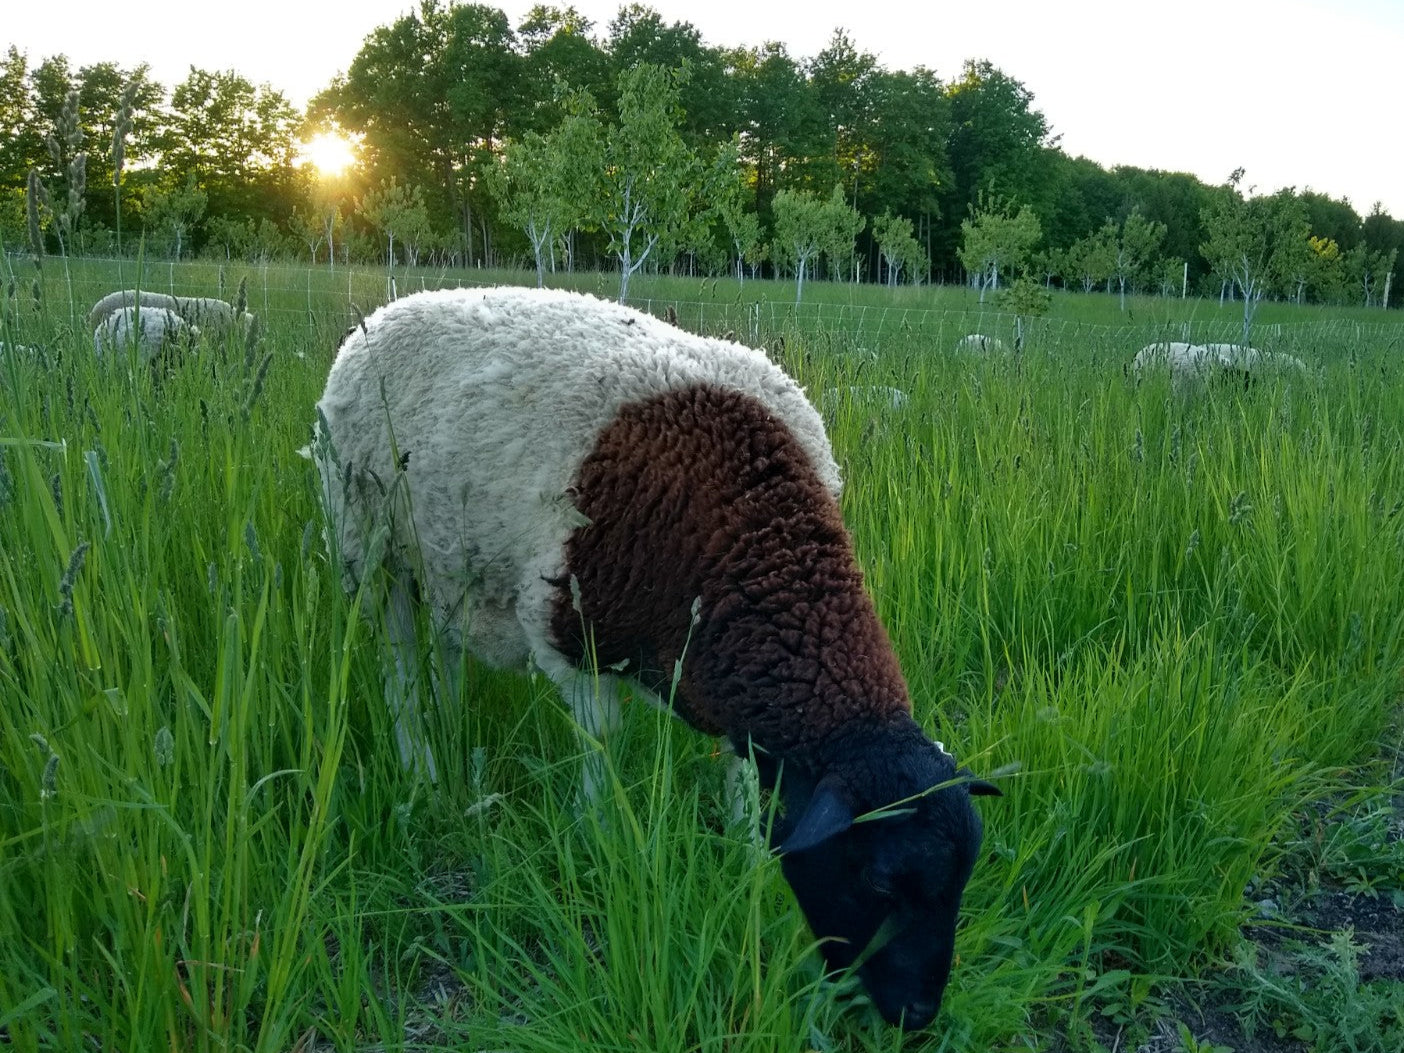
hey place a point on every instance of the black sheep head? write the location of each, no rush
(878, 853)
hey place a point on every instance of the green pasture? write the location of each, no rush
(1170, 625)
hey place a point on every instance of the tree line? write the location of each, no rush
(641, 147)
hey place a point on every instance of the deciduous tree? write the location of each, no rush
(997, 143)
(1134, 244)
(235, 140)
(996, 238)
(1089, 260)
(1252, 242)
(899, 249)
(1368, 270)
(433, 94)
(799, 231)
(806, 225)
(545, 183)
(649, 178)
(171, 214)
(397, 211)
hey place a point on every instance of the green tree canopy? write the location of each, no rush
(997, 140)
(235, 140)
(1254, 241)
(547, 184)
(900, 250)
(650, 188)
(1134, 244)
(996, 238)
(433, 94)
(806, 224)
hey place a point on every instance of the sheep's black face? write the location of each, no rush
(886, 893)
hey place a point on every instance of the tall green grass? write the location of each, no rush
(1168, 621)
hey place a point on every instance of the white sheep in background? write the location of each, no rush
(1180, 358)
(1191, 365)
(153, 331)
(1250, 361)
(978, 343)
(573, 485)
(214, 317)
(861, 396)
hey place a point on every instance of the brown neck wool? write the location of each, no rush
(700, 499)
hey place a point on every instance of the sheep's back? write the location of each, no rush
(495, 397)
(130, 298)
(151, 328)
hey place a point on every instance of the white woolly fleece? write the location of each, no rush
(1192, 363)
(151, 327)
(494, 398)
(213, 315)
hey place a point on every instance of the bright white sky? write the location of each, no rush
(1298, 92)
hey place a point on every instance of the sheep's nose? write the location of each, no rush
(918, 1015)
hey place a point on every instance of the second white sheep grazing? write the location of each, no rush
(1250, 361)
(1191, 365)
(156, 334)
(1180, 358)
(979, 343)
(214, 317)
(861, 396)
(573, 485)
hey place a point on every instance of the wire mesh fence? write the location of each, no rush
(323, 302)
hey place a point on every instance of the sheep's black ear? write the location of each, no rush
(829, 814)
(979, 787)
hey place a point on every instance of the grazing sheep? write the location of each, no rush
(981, 344)
(214, 317)
(1251, 362)
(1178, 357)
(156, 333)
(864, 396)
(1191, 365)
(571, 484)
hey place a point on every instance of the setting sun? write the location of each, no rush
(331, 153)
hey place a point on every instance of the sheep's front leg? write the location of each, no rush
(402, 688)
(594, 701)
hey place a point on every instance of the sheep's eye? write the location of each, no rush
(879, 883)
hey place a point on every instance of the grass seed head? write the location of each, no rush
(70, 576)
(164, 746)
(256, 388)
(48, 782)
(251, 541)
(34, 199)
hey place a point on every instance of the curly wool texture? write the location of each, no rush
(155, 332)
(702, 495)
(495, 397)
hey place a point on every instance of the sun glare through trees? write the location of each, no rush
(331, 153)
